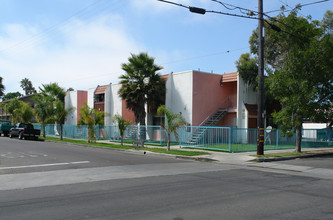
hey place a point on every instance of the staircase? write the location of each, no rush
(211, 120)
(199, 133)
(215, 118)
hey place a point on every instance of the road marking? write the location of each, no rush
(15, 155)
(94, 174)
(44, 165)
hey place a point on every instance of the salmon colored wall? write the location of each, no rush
(82, 97)
(227, 119)
(208, 95)
(126, 113)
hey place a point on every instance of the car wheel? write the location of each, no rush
(10, 136)
(20, 136)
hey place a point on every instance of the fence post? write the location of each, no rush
(180, 136)
(229, 139)
(160, 136)
(277, 139)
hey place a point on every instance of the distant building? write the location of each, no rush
(27, 99)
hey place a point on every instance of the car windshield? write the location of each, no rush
(28, 126)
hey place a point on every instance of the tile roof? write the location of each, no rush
(229, 77)
(101, 89)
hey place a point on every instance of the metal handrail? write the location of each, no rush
(227, 103)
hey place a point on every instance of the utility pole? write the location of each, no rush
(260, 114)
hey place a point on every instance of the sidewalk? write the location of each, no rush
(243, 158)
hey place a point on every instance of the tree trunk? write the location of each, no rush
(61, 132)
(168, 142)
(89, 134)
(121, 140)
(143, 129)
(299, 138)
(44, 130)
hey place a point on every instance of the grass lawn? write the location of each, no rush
(156, 143)
(239, 147)
(118, 146)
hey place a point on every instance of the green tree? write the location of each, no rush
(11, 95)
(141, 85)
(50, 106)
(2, 87)
(44, 110)
(60, 114)
(247, 68)
(122, 125)
(90, 117)
(54, 91)
(27, 86)
(24, 113)
(174, 121)
(11, 108)
(301, 60)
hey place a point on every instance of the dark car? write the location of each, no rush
(24, 130)
(5, 127)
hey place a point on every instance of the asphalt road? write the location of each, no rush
(123, 185)
(33, 156)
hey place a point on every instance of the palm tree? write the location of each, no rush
(44, 110)
(141, 85)
(174, 121)
(60, 114)
(122, 125)
(90, 117)
(26, 85)
(2, 88)
(53, 90)
(54, 95)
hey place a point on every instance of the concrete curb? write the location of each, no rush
(272, 159)
(202, 159)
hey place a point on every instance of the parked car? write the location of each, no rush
(24, 130)
(5, 126)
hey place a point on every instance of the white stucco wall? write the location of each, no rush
(107, 106)
(91, 92)
(245, 95)
(241, 109)
(115, 101)
(179, 94)
(71, 102)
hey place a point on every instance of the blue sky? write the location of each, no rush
(82, 43)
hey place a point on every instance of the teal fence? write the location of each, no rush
(243, 139)
(215, 138)
(154, 135)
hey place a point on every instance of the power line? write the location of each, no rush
(311, 3)
(203, 11)
(249, 12)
